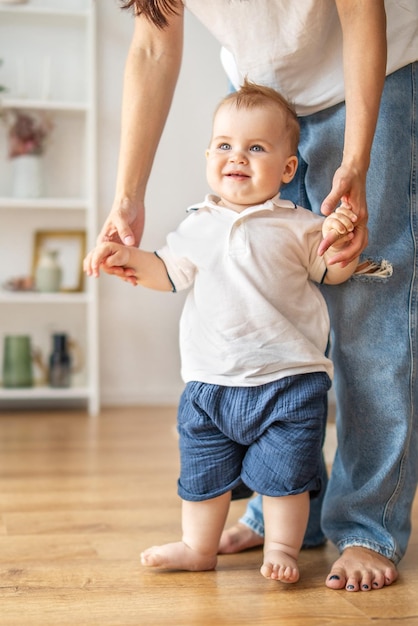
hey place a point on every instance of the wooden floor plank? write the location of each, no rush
(80, 497)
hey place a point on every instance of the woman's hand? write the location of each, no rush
(348, 188)
(124, 224)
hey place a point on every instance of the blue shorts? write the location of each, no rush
(269, 437)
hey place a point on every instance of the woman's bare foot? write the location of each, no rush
(360, 569)
(177, 556)
(238, 538)
(279, 565)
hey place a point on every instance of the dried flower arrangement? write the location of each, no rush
(28, 132)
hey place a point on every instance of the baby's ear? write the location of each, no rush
(290, 169)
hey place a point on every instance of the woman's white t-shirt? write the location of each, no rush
(295, 46)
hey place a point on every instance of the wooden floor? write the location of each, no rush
(80, 498)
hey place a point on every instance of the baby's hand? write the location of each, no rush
(337, 229)
(111, 258)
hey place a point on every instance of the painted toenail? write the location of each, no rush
(365, 586)
(334, 577)
(375, 584)
(350, 587)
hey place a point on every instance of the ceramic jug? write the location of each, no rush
(17, 361)
(48, 272)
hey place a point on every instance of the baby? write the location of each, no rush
(253, 334)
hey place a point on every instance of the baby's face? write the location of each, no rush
(249, 155)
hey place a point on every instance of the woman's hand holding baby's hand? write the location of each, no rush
(338, 229)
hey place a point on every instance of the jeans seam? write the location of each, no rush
(412, 308)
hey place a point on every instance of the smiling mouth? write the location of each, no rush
(237, 175)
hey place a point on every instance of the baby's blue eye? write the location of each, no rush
(225, 146)
(257, 148)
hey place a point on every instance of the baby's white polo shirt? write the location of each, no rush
(254, 313)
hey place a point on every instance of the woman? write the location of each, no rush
(338, 61)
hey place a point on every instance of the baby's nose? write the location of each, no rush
(238, 156)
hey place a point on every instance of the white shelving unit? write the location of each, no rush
(48, 50)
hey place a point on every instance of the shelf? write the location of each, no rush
(28, 9)
(60, 204)
(44, 393)
(32, 297)
(60, 106)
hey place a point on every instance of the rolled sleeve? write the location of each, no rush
(181, 271)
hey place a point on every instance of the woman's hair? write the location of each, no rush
(156, 11)
(251, 95)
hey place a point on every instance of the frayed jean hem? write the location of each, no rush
(353, 542)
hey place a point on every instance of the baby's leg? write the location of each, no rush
(285, 521)
(203, 523)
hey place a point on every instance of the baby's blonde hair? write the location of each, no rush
(251, 95)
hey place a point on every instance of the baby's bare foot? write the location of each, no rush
(280, 566)
(238, 538)
(177, 556)
(360, 569)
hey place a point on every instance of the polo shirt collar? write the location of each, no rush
(211, 201)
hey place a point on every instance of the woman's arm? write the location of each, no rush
(151, 71)
(363, 25)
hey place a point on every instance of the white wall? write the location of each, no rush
(139, 328)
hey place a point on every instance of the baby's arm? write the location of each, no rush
(133, 265)
(337, 232)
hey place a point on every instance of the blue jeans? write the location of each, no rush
(374, 339)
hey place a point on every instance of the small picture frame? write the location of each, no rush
(71, 246)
